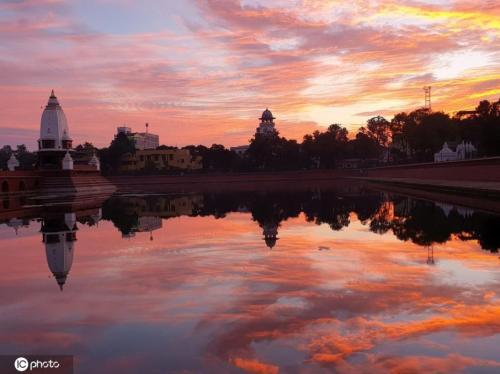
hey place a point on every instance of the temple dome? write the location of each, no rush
(267, 115)
(54, 133)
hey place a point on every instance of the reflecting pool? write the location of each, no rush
(342, 279)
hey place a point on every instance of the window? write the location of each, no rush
(164, 157)
(170, 157)
(51, 238)
(66, 144)
(142, 158)
(48, 144)
(156, 157)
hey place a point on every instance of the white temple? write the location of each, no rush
(464, 151)
(55, 141)
(94, 161)
(266, 126)
(13, 162)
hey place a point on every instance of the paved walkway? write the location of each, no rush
(469, 187)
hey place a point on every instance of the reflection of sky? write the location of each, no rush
(207, 294)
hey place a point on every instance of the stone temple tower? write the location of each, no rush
(55, 143)
(266, 127)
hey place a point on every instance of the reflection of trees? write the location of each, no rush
(122, 213)
(421, 222)
(425, 223)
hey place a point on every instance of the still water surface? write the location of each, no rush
(343, 279)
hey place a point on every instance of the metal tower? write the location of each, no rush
(427, 90)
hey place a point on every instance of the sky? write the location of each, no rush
(202, 71)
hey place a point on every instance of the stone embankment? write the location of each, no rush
(474, 177)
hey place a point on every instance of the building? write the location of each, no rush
(142, 140)
(55, 146)
(54, 142)
(240, 150)
(266, 126)
(463, 151)
(160, 159)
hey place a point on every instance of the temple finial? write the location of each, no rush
(52, 94)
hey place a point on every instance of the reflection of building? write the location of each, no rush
(142, 140)
(59, 236)
(149, 223)
(145, 224)
(165, 207)
(266, 126)
(55, 143)
(463, 151)
(270, 234)
(161, 159)
(17, 223)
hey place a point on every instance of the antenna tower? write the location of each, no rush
(427, 90)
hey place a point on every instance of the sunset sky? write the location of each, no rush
(202, 71)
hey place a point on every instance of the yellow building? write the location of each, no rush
(161, 159)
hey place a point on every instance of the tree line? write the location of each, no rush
(406, 138)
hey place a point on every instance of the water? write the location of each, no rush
(344, 279)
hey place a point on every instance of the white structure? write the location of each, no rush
(142, 140)
(54, 140)
(464, 151)
(54, 133)
(12, 163)
(266, 126)
(67, 162)
(123, 130)
(240, 150)
(94, 161)
(145, 140)
(59, 236)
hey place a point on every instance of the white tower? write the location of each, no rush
(55, 140)
(266, 126)
(12, 163)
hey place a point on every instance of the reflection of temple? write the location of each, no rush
(270, 234)
(59, 236)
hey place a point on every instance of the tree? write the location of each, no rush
(379, 129)
(364, 146)
(327, 147)
(111, 157)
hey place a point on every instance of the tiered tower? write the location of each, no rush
(55, 143)
(266, 127)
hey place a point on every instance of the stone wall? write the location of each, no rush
(15, 182)
(478, 170)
